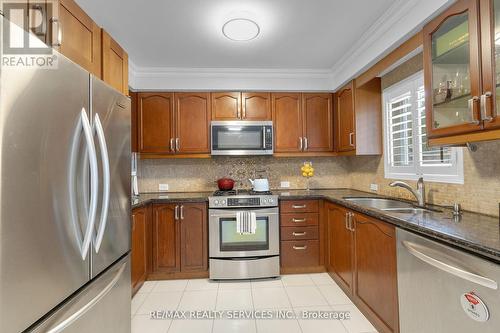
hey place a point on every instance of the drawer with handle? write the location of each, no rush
(299, 233)
(300, 253)
(299, 220)
(299, 206)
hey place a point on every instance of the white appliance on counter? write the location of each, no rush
(65, 201)
(442, 289)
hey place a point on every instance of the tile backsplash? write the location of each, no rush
(201, 175)
(479, 193)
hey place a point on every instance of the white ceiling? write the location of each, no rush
(295, 34)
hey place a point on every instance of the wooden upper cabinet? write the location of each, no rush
(166, 239)
(155, 122)
(317, 113)
(256, 106)
(452, 71)
(376, 272)
(80, 36)
(345, 118)
(490, 98)
(340, 246)
(139, 251)
(241, 106)
(134, 137)
(226, 105)
(114, 64)
(192, 122)
(194, 238)
(287, 115)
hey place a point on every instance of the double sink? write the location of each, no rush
(388, 205)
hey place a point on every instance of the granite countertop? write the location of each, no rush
(147, 198)
(474, 232)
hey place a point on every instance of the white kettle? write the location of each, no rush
(260, 185)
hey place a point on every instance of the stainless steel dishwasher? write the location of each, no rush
(442, 289)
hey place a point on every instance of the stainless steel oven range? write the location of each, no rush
(236, 252)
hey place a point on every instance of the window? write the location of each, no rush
(407, 155)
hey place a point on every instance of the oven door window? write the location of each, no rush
(237, 138)
(230, 240)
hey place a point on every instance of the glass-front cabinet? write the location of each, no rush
(490, 40)
(462, 69)
(452, 71)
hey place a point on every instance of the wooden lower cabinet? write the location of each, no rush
(194, 238)
(300, 253)
(376, 272)
(361, 258)
(140, 246)
(340, 246)
(180, 241)
(166, 239)
(301, 234)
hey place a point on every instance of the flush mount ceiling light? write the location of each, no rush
(240, 29)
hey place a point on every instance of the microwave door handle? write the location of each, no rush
(264, 137)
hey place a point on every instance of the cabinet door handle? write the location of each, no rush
(182, 212)
(238, 112)
(40, 30)
(177, 144)
(244, 116)
(301, 144)
(484, 110)
(300, 247)
(56, 38)
(298, 234)
(294, 220)
(471, 104)
(176, 213)
(346, 221)
(299, 206)
(351, 139)
(172, 145)
(306, 144)
(351, 222)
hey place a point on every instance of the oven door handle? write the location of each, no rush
(234, 215)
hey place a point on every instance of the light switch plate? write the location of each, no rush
(163, 187)
(285, 185)
(374, 187)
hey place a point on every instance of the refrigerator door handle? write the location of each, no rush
(87, 130)
(83, 310)
(107, 183)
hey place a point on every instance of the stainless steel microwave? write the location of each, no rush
(242, 137)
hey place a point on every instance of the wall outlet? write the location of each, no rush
(374, 187)
(285, 184)
(163, 187)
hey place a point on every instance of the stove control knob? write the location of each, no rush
(265, 201)
(216, 202)
(223, 202)
(271, 200)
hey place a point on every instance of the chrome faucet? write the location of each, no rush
(419, 193)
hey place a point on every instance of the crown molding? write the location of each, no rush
(403, 19)
(175, 78)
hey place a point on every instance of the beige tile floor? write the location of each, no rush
(295, 293)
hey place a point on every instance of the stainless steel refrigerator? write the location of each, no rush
(64, 201)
